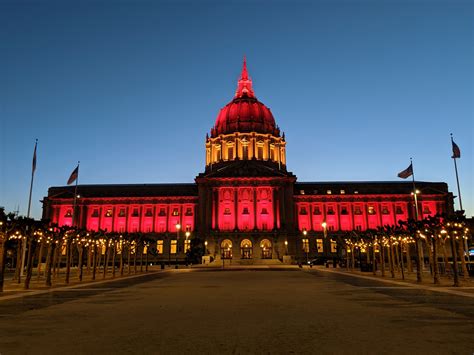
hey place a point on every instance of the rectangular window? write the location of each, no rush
(303, 211)
(330, 211)
(162, 228)
(135, 212)
(95, 213)
(63, 248)
(187, 245)
(305, 245)
(385, 210)
(175, 212)
(227, 211)
(316, 210)
(108, 213)
(399, 210)
(230, 153)
(319, 245)
(122, 212)
(149, 212)
(69, 213)
(264, 210)
(333, 246)
(260, 153)
(174, 244)
(344, 211)
(159, 246)
(245, 211)
(162, 212)
(371, 210)
(189, 211)
(357, 210)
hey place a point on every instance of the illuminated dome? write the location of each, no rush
(245, 113)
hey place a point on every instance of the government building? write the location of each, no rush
(246, 205)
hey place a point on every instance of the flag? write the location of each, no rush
(407, 172)
(456, 150)
(73, 176)
(33, 168)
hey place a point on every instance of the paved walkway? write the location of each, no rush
(247, 311)
(466, 290)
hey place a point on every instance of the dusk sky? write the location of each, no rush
(130, 88)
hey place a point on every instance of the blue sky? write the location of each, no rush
(130, 88)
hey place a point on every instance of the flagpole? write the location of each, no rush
(33, 168)
(457, 177)
(75, 197)
(466, 248)
(414, 189)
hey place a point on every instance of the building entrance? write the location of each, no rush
(246, 249)
(226, 249)
(266, 247)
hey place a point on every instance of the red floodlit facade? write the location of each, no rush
(246, 205)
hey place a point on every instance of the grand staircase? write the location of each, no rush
(238, 262)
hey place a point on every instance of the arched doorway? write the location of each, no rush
(246, 249)
(226, 249)
(266, 247)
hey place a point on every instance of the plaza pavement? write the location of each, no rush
(240, 310)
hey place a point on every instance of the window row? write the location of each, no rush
(173, 246)
(306, 247)
(245, 211)
(148, 212)
(357, 210)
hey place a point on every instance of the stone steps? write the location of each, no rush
(248, 262)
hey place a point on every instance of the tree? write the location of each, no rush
(454, 228)
(431, 228)
(52, 240)
(196, 251)
(33, 232)
(7, 225)
(411, 227)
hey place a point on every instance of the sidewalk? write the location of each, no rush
(446, 283)
(12, 289)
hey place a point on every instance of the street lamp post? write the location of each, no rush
(187, 234)
(306, 245)
(286, 247)
(325, 234)
(178, 227)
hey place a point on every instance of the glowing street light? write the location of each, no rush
(178, 227)
(306, 245)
